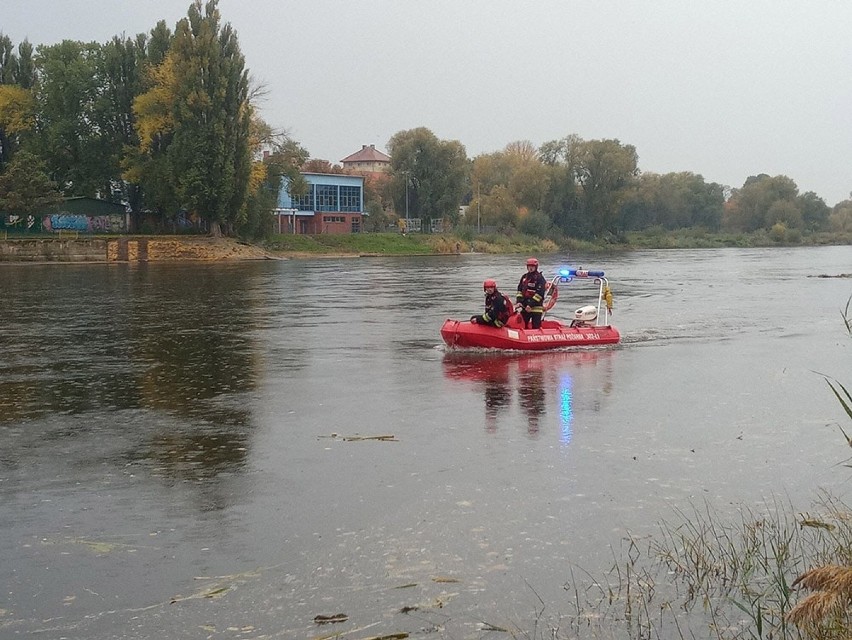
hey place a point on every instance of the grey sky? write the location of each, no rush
(724, 88)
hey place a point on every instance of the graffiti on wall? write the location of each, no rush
(86, 224)
(22, 223)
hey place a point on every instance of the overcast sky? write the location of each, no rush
(722, 88)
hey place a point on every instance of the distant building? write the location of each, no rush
(367, 160)
(334, 204)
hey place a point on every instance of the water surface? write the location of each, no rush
(189, 450)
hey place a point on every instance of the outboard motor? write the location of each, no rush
(585, 316)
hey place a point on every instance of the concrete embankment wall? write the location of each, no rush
(122, 249)
(53, 250)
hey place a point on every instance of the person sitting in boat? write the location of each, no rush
(497, 307)
(531, 295)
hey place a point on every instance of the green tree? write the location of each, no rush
(120, 65)
(529, 179)
(25, 188)
(750, 205)
(515, 176)
(814, 211)
(8, 61)
(436, 172)
(209, 153)
(282, 164)
(564, 203)
(784, 212)
(67, 137)
(195, 123)
(840, 218)
(498, 209)
(605, 169)
(672, 201)
(641, 207)
(159, 43)
(148, 164)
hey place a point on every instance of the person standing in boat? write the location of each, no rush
(497, 307)
(531, 295)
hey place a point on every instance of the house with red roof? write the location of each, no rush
(367, 160)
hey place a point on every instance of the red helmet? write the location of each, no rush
(532, 262)
(489, 283)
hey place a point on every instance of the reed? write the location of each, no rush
(705, 576)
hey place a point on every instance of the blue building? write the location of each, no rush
(334, 204)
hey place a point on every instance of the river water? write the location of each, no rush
(230, 450)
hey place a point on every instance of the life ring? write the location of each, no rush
(553, 290)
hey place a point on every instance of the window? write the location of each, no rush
(356, 224)
(304, 203)
(326, 197)
(350, 198)
(332, 219)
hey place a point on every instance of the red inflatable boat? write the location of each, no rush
(589, 327)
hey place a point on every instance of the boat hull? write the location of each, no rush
(552, 335)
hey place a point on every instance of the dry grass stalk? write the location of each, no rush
(828, 578)
(829, 605)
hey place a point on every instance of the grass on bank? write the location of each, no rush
(466, 242)
(658, 238)
(431, 244)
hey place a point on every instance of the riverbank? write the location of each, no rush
(128, 249)
(207, 249)
(282, 247)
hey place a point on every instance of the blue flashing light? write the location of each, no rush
(580, 273)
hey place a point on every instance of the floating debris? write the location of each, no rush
(816, 524)
(383, 438)
(335, 617)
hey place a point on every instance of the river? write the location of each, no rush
(230, 450)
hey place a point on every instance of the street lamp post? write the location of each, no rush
(478, 209)
(406, 196)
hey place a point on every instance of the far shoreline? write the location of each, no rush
(79, 249)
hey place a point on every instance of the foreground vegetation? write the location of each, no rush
(779, 574)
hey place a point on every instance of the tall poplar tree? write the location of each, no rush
(17, 108)
(121, 72)
(209, 154)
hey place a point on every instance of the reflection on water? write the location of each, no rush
(175, 341)
(566, 407)
(542, 382)
(531, 395)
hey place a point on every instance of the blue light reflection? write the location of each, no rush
(566, 408)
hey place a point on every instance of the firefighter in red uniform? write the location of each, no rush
(497, 308)
(531, 295)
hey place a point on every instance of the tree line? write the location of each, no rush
(166, 123)
(591, 189)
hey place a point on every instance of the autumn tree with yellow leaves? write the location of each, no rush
(195, 123)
